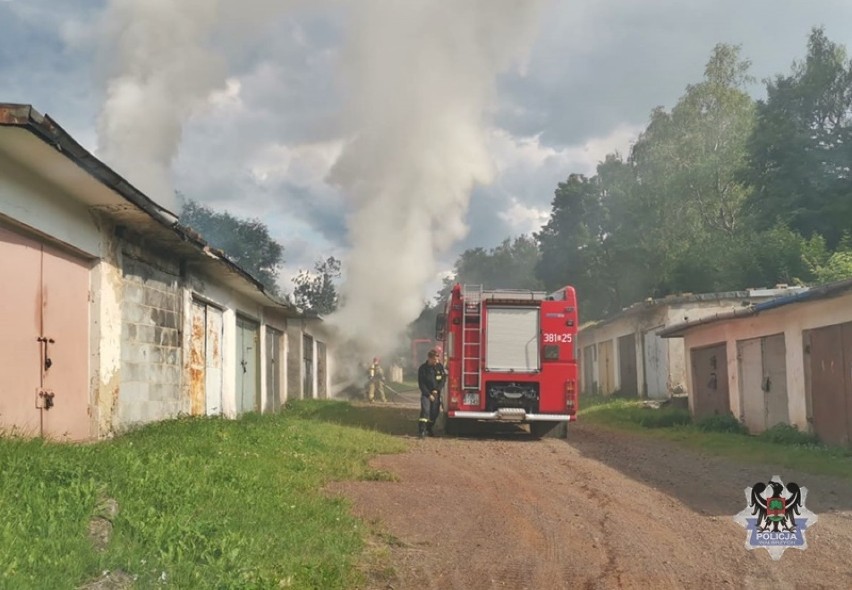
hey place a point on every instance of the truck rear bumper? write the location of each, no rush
(511, 414)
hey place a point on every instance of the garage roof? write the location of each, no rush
(821, 292)
(52, 153)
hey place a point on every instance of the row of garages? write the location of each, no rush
(768, 357)
(115, 315)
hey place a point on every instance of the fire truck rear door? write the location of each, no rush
(511, 339)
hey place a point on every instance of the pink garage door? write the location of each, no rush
(44, 344)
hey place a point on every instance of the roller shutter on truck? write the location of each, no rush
(511, 339)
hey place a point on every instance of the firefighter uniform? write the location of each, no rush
(376, 380)
(430, 378)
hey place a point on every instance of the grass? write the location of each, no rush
(782, 445)
(203, 503)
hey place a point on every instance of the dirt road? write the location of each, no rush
(598, 510)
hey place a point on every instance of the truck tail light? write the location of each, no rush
(570, 397)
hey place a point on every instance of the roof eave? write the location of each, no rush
(49, 131)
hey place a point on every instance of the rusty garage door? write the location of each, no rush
(274, 368)
(763, 382)
(627, 365)
(830, 352)
(710, 381)
(248, 377)
(44, 344)
(205, 363)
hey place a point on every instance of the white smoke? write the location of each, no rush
(421, 78)
(160, 65)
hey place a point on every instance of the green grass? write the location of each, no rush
(203, 503)
(783, 446)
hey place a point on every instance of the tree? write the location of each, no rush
(245, 241)
(671, 217)
(574, 245)
(316, 291)
(686, 206)
(511, 265)
(801, 150)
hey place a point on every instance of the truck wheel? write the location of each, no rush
(541, 429)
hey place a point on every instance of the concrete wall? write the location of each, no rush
(151, 341)
(791, 320)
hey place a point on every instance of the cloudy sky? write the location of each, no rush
(277, 95)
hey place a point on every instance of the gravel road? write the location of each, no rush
(599, 510)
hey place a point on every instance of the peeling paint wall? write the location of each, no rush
(107, 295)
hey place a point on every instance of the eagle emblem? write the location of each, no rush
(775, 516)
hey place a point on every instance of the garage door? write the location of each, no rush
(627, 374)
(710, 381)
(831, 382)
(44, 345)
(205, 365)
(763, 382)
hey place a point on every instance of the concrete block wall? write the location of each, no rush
(151, 356)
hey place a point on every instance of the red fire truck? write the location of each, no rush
(510, 356)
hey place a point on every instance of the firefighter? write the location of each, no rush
(376, 380)
(430, 378)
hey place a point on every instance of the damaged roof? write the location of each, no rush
(809, 294)
(133, 209)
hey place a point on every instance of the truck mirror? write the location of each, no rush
(440, 323)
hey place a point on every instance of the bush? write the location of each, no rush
(786, 434)
(721, 423)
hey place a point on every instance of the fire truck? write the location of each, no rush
(510, 355)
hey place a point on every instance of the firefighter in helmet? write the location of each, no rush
(375, 380)
(430, 378)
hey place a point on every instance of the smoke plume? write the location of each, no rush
(420, 83)
(160, 64)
